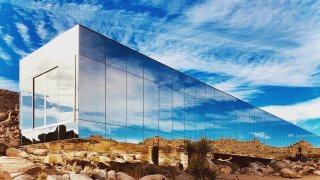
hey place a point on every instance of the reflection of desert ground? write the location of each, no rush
(255, 177)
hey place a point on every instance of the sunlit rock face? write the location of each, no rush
(9, 119)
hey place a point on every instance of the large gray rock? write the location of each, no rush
(74, 176)
(287, 173)
(123, 176)
(278, 165)
(154, 177)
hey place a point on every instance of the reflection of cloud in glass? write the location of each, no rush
(260, 135)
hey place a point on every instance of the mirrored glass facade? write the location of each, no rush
(100, 87)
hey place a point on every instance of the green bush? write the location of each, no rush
(200, 168)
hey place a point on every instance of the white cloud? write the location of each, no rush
(260, 135)
(41, 30)
(294, 113)
(24, 32)
(9, 84)
(4, 56)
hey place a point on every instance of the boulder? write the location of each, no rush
(278, 165)
(154, 177)
(5, 175)
(111, 175)
(104, 159)
(123, 176)
(41, 152)
(225, 170)
(24, 177)
(18, 164)
(308, 169)
(247, 170)
(55, 159)
(287, 173)
(74, 176)
(13, 152)
(256, 165)
(316, 173)
(100, 174)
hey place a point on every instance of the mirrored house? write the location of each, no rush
(83, 84)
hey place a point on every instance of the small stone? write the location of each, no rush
(56, 177)
(123, 176)
(226, 170)
(154, 177)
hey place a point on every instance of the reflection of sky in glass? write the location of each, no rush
(132, 90)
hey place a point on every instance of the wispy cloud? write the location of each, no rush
(24, 32)
(6, 83)
(4, 56)
(297, 112)
(260, 135)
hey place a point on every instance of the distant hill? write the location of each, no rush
(8, 100)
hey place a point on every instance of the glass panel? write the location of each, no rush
(134, 101)
(189, 108)
(151, 137)
(134, 136)
(178, 81)
(39, 100)
(165, 110)
(116, 54)
(165, 76)
(26, 138)
(91, 90)
(211, 127)
(134, 62)
(116, 97)
(67, 90)
(178, 113)
(26, 104)
(189, 86)
(166, 136)
(92, 45)
(200, 118)
(200, 90)
(52, 97)
(68, 131)
(151, 105)
(151, 69)
(39, 136)
(52, 134)
(117, 133)
(88, 129)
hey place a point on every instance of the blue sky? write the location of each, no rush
(265, 52)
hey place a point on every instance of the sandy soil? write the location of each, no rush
(250, 177)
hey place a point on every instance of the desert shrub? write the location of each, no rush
(200, 168)
(203, 146)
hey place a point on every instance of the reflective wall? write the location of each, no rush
(129, 97)
(48, 91)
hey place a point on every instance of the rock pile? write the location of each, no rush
(283, 168)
